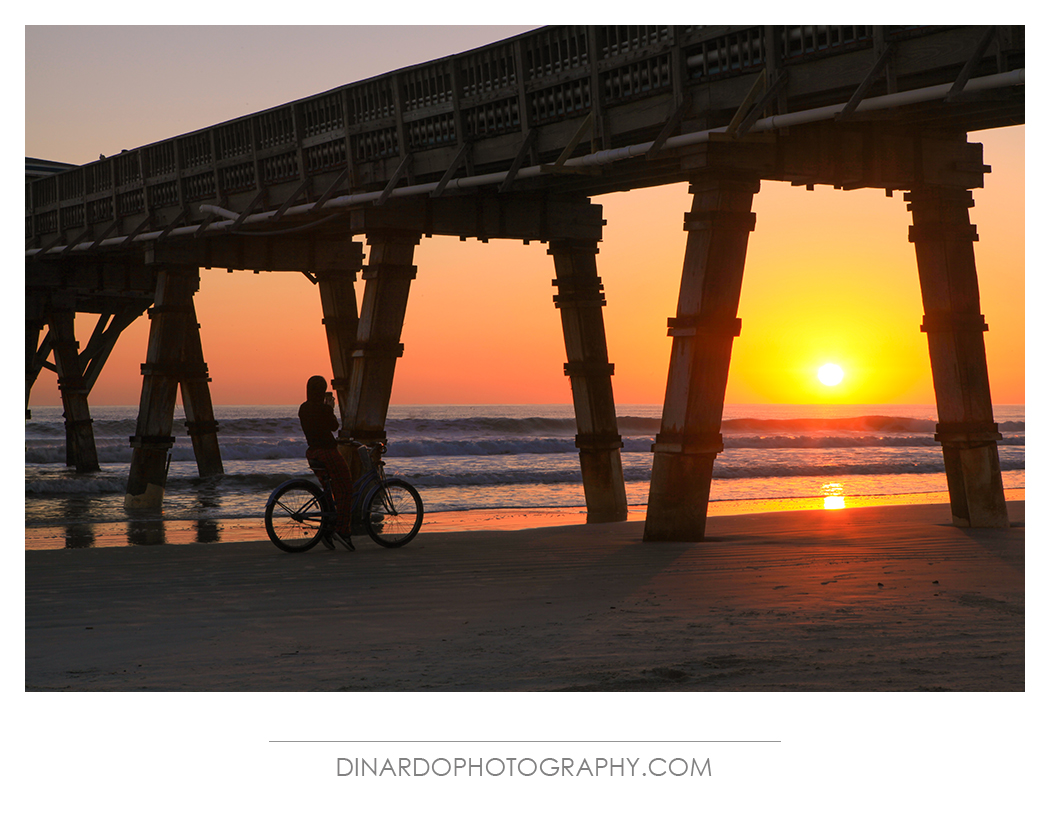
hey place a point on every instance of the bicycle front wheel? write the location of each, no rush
(393, 513)
(295, 516)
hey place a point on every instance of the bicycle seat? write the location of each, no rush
(317, 466)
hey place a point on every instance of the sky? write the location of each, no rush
(830, 275)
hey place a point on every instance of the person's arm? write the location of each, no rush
(333, 421)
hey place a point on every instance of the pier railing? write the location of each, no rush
(520, 101)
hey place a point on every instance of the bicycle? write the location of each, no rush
(299, 512)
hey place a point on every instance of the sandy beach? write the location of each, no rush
(877, 598)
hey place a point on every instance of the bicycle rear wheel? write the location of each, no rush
(296, 516)
(393, 513)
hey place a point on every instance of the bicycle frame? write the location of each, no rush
(360, 493)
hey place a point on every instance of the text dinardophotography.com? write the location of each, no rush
(550, 767)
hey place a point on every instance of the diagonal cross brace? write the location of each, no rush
(760, 106)
(102, 341)
(669, 128)
(461, 157)
(523, 151)
(866, 83)
(964, 76)
(327, 194)
(402, 170)
(587, 126)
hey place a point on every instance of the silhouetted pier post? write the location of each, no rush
(954, 327)
(702, 332)
(77, 368)
(36, 351)
(388, 277)
(580, 300)
(196, 401)
(173, 357)
(340, 319)
(80, 439)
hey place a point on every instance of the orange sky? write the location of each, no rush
(830, 275)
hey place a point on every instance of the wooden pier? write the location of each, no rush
(511, 141)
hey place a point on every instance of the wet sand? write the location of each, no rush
(876, 598)
(152, 529)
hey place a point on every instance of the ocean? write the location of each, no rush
(466, 459)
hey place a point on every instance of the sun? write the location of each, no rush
(830, 374)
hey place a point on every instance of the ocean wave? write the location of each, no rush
(74, 486)
(630, 425)
(722, 470)
(517, 427)
(261, 448)
(261, 482)
(231, 451)
(102, 484)
(870, 423)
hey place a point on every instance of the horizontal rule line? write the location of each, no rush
(525, 741)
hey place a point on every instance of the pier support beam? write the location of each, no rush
(718, 227)
(954, 327)
(80, 438)
(173, 358)
(388, 277)
(340, 319)
(37, 352)
(580, 301)
(196, 400)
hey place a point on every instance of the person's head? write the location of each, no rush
(316, 387)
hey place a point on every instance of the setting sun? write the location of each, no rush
(830, 374)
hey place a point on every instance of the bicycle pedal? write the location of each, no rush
(344, 542)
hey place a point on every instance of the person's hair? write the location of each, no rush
(316, 387)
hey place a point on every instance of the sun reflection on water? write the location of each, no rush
(833, 496)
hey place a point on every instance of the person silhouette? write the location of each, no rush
(318, 420)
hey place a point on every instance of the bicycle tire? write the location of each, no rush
(393, 513)
(296, 515)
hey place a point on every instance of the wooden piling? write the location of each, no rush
(580, 300)
(718, 226)
(171, 317)
(340, 319)
(36, 351)
(81, 452)
(388, 277)
(196, 400)
(943, 237)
